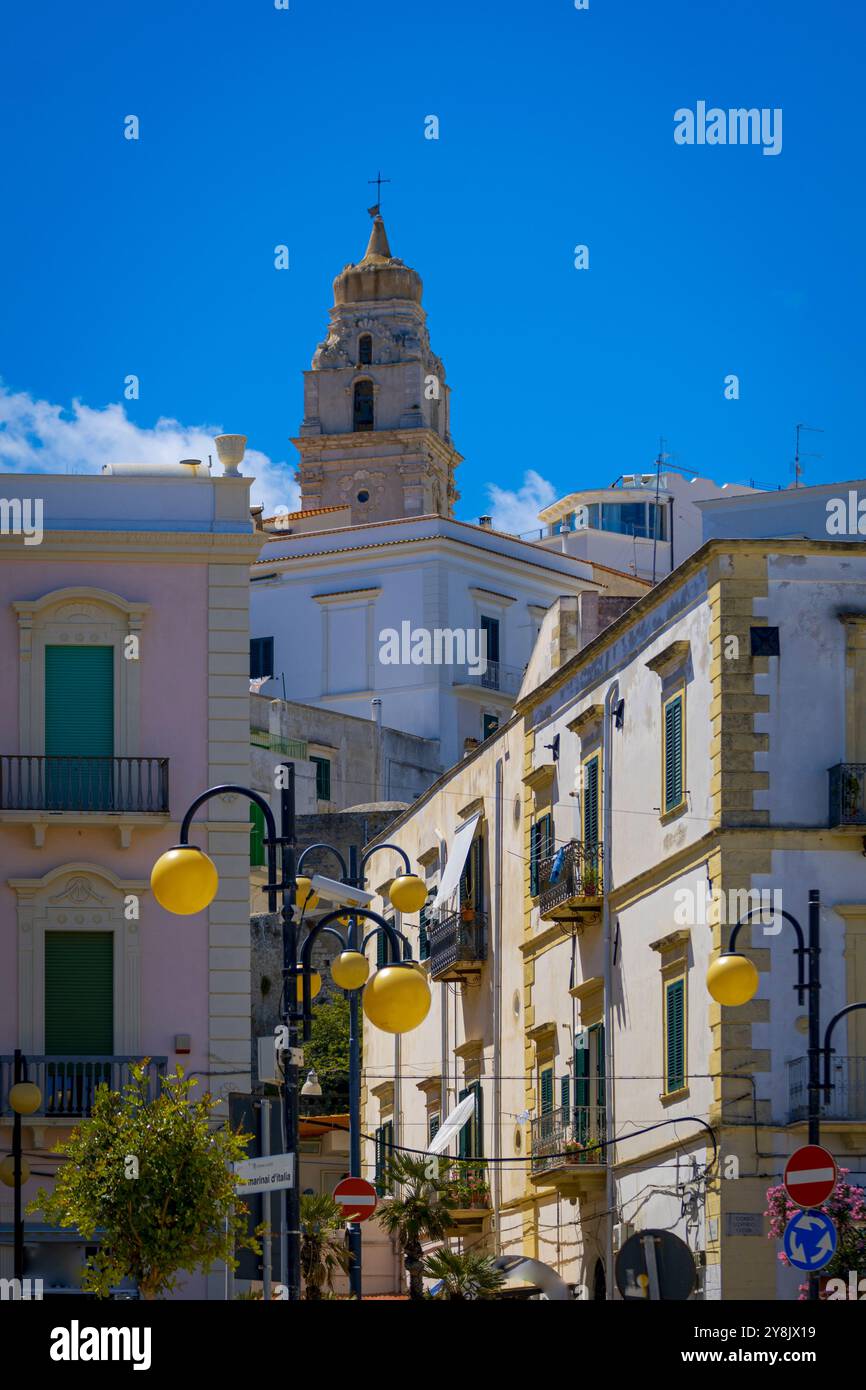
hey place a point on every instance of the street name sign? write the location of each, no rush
(810, 1175)
(266, 1174)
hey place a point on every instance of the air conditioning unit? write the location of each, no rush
(270, 1070)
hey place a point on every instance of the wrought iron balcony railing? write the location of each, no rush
(506, 679)
(567, 1137)
(847, 1099)
(847, 794)
(69, 1084)
(31, 782)
(458, 943)
(573, 872)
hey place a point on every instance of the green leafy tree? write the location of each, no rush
(419, 1213)
(154, 1176)
(328, 1053)
(464, 1276)
(323, 1243)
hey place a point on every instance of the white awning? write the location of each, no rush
(453, 1125)
(458, 853)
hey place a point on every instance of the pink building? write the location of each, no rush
(124, 665)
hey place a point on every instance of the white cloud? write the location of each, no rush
(518, 511)
(38, 437)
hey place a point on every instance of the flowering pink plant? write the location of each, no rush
(846, 1207)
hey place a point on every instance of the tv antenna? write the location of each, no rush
(797, 466)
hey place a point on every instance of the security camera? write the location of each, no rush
(343, 894)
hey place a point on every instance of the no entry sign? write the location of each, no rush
(810, 1175)
(356, 1197)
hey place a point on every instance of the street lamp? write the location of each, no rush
(390, 997)
(733, 980)
(25, 1099)
(185, 880)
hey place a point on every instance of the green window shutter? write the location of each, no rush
(540, 848)
(533, 859)
(433, 1127)
(590, 801)
(384, 1139)
(564, 1093)
(464, 1138)
(673, 753)
(323, 778)
(79, 727)
(546, 1080)
(598, 1030)
(675, 1053)
(581, 1070)
(382, 948)
(478, 1135)
(79, 994)
(257, 836)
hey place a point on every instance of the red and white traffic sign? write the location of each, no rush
(356, 1197)
(810, 1175)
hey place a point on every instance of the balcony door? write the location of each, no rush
(79, 728)
(589, 1087)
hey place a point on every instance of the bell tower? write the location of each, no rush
(375, 434)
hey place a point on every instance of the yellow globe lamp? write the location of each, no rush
(408, 893)
(304, 895)
(315, 985)
(7, 1170)
(732, 979)
(397, 998)
(184, 880)
(350, 970)
(25, 1098)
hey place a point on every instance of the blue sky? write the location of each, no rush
(261, 126)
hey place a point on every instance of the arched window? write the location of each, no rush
(365, 349)
(362, 406)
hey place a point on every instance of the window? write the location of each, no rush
(362, 405)
(540, 848)
(261, 657)
(675, 1035)
(323, 778)
(384, 1144)
(470, 1141)
(365, 349)
(433, 1124)
(545, 1087)
(564, 1094)
(672, 753)
(423, 931)
(658, 520)
(764, 641)
(490, 628)
(257, 836)
(626, 518)
(589, 1098)
(591, 799)
(489, 725)
(383, 948)
(472, 878)
(79, 993)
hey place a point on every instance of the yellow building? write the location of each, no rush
(649, 790)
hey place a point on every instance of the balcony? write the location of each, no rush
(458, 945)
(504, 680)
(562, 1149)
(68, 1084)
(134, 786)
(847, 1099)
(568, 886)
(847, 794)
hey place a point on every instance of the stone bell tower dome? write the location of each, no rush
(375, 434)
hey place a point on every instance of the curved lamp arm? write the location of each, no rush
(397, 850)
(271, 841)
(394, 937)
(799, 950)
(330, 850)
(828, 1033)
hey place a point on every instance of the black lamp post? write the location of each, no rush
(732, 979)
(354, 877)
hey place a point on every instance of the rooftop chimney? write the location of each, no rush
(486, 522)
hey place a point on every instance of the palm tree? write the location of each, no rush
(323, 1249)
(419, 1214)
(465, 1276)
